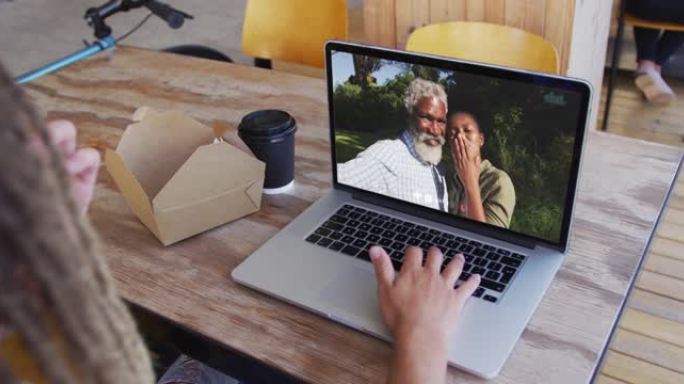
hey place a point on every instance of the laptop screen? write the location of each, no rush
(490, 146)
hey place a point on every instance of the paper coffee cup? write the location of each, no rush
(270, 134)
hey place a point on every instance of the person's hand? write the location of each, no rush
(421, 308)
(420, 297)
(82, 164)
(466, 163)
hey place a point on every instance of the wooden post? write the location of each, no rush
(587, 56)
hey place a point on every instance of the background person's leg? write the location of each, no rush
(647, 44)
(668, 44)
(653, 49)
(647, 77)
(189, 371)
(651, 45)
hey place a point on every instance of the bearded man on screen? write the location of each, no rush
(406, 168)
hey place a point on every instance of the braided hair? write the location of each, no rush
(56, 291)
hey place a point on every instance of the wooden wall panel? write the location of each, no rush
(447, 10)
(535, 15)
(379, 18)
(495, 11)
(458, 9)
(552, 19)
(556, 28)
(515, 14)
(439, 11)
(411, 14)
(475, 10)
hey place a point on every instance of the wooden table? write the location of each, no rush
(623, 187)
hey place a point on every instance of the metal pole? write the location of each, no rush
(614, 66)
(96, 47)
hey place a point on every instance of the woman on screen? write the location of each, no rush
(478, 190)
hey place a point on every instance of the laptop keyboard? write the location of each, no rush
(352, 230)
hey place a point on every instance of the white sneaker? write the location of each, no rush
(654, 88)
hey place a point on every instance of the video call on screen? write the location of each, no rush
(487, 149)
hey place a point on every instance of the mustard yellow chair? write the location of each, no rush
(633, 20)
(486, 43)
(292, 30)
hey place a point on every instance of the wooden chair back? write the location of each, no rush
(293, 30)
(486, 43)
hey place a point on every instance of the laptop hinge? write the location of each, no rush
(452, 221)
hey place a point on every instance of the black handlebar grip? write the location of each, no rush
(172, 17)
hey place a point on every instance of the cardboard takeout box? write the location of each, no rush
(177, 180)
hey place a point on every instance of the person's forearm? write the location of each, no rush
(416, 360)
(474, 203)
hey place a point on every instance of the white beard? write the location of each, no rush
(430, 153)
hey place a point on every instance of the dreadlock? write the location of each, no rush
(56, 291)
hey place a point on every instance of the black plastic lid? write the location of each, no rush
(267, 124)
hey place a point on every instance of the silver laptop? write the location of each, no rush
(426, 151)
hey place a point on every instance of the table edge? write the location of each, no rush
(275, 373)
(673, 183)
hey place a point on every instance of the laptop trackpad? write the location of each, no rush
(352, 291)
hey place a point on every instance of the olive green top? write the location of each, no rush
(496, 191)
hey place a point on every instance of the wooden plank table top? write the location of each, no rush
(623, 187)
